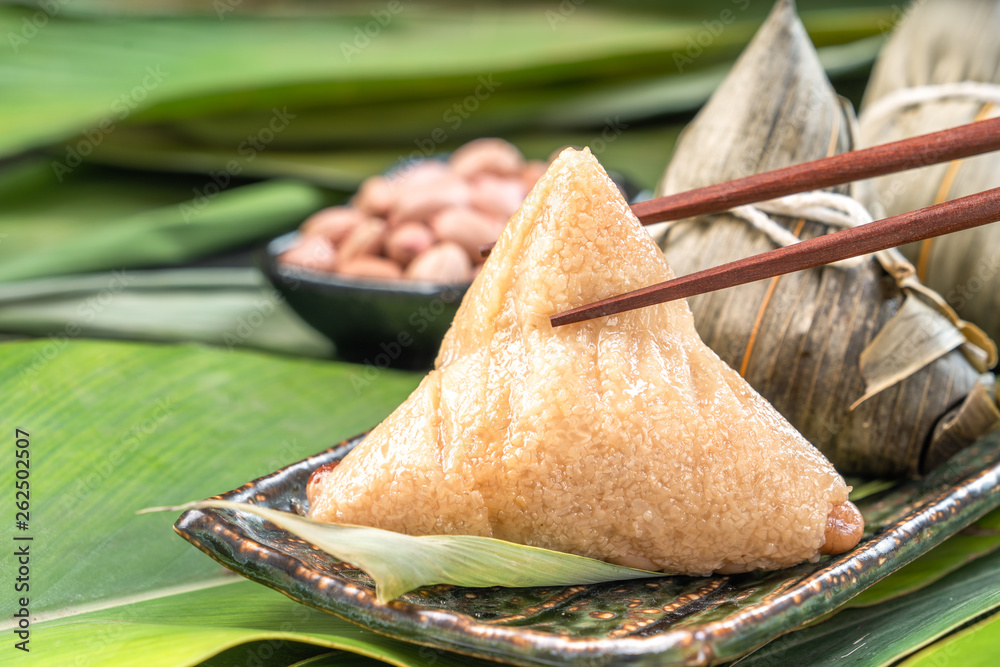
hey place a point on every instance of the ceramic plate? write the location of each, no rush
(681, 620)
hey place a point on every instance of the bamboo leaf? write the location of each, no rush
(972, 647)
(862, 488)
(882, 634)
(231, 308)
(422, 55)
(249, 622)
(174, 233)
(979, 539)
(116, 427)
(400, 563)
(625, 148)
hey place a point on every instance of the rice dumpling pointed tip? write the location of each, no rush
(785, 5)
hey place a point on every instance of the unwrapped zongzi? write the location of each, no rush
(623, 438)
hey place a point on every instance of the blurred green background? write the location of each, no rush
(148, 148)
(159, 135)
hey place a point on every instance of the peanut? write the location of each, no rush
(468, 228)
(844, 528)
(494, 156)
(498, 196)
(407, 241)
(333, 223)
(314, 252)
(532, 171)
(421, 201)
(367, 266)
(375, 196)
(444, 262)
(365, 239)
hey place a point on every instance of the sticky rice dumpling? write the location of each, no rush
(623, 438)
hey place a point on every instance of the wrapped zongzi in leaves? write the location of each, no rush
(623, 438)
(940, 69)
(867, 363)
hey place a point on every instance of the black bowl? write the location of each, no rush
(384, 323)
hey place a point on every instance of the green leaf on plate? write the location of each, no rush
(400, 563)
(276, 653)
(862, 488)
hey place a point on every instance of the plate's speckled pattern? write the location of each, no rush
(683, 620)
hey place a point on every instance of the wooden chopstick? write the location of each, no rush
(920, 151)
(951, 216)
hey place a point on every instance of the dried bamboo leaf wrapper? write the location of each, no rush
(948, 54)
(798, 339)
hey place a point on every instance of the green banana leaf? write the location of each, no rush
(102, 220)
(639, 151)
(975, 646)
(536, 58)
(190, 627)
(681, 8)
(302, 64)
(228, 307)
(555, 108)
(115, 427)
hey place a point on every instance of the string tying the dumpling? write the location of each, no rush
(842, 211)
(898, 100)
(903, 99)
(831, 208)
